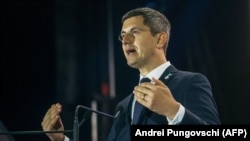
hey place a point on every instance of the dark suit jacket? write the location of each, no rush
(192, 90)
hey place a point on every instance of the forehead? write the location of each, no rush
(132, 22)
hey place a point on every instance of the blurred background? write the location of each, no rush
(67, 51)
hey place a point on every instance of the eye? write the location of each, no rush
(135, 31)
(122, 35)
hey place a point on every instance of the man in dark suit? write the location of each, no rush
(170, 97)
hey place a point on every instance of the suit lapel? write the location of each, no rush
(168, 74)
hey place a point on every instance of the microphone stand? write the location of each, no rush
(75, 129)
(75, 126)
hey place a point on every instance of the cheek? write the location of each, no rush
(146, 41)
(123, 50)
(146, 45)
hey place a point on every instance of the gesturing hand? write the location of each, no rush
(157, 97)
(52, 122)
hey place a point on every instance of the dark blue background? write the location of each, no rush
(58, 51)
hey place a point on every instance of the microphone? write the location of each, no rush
(118, 111)
(86, 115)
(76, 122)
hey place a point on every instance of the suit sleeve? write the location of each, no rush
(120, 130)
(200, 106)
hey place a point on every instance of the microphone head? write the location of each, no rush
(118, 110)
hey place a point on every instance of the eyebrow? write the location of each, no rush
(133, 28)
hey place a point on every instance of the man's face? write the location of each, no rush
(138, 43)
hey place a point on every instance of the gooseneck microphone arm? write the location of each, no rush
(95, 111)
(76, 126)
(86, 115)
(76, 121)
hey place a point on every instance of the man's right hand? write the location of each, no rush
(52, 122)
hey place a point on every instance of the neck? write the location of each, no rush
(147, 69)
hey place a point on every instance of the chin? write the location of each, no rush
(132, 64)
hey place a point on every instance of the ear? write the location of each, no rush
(162, 39)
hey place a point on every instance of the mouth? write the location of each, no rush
(130, 51)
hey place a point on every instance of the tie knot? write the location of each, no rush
(145, 79)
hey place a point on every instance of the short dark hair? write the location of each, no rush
(155, 20)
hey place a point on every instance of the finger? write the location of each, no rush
(137, 94)
(48, 121)
(58, 105)
(54, 110)
(50, 124)
(144, 97)
(147, 85)
(140, 97)
(158, 82)
(51, 117)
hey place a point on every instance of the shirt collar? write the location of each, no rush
(158, 71)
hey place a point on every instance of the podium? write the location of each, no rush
(5, 135)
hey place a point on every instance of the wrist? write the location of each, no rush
(58, 138)
(171, 114)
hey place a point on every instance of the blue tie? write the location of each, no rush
(138, 107)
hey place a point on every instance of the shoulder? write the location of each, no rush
(192, 75)
(186, 74)
(182, 76)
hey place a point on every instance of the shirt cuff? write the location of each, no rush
(178, 117)
(66, 138)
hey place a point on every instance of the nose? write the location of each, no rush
(128, 38)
